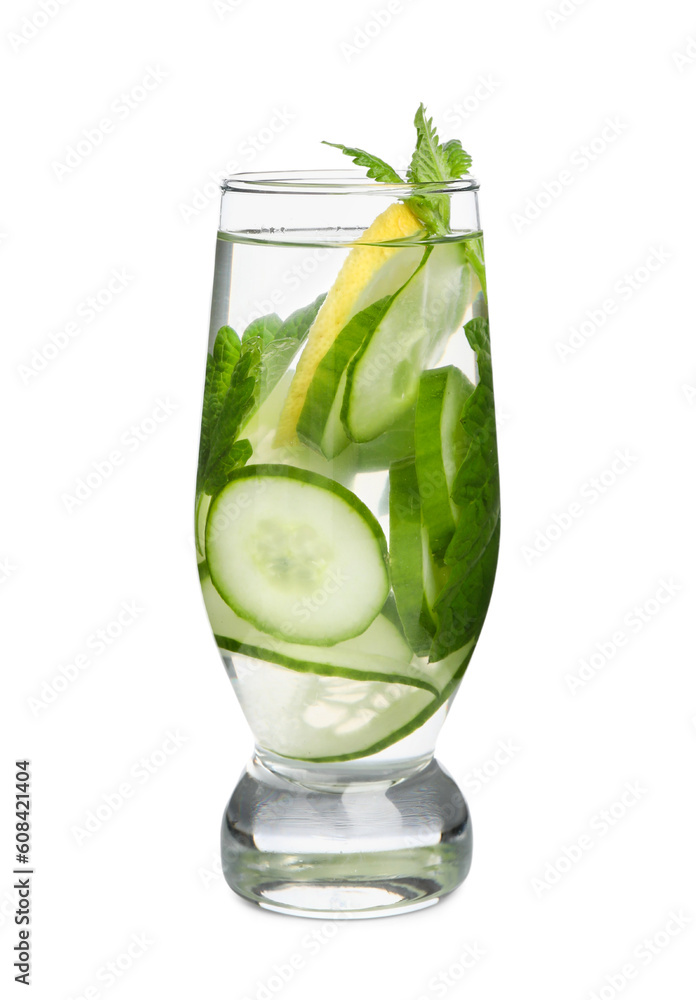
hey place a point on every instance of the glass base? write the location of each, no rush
(342, 841)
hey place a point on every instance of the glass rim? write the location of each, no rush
(335, 181)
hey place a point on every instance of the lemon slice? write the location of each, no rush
(367, 274)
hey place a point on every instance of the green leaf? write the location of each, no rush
(433, 163)
(225, 355)
(279, 352)
(465, 602)
(226, 348)
(265, 327)
(218, 374)
(429, 162)
(239, 376)
(234, 457)
(462, 604)
(225, 453)
(274, 363)
(207, 421)
(271, 328)
(458, 159)
(376, 168)
(298, 323)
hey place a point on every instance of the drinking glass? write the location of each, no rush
(347, 524)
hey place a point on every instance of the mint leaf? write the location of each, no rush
(271, 327)
(461, 605)
(465, 601)
(458, 160)
(433, 163)
(226, 453)
(224, 357)
(279, 352)
(376, 168)
(274, 364)
(207, 419)
(226, 348)
(218, 374)
(298, 323)
(265, 327)
(238, 377)
(234, 457)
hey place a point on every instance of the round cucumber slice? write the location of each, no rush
(382, 378)
(311, 717)
(360, 715)
(380, 653)
(296, 554)
(441, 444)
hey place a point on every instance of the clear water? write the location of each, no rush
(300, 712)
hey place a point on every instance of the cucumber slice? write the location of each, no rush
(391, 275)
(296, 554)
(394, 445)
(441, 443)
(312, 717)
(446, 674)
(435, 576)
(408, 556)
(380, 653)
(382, 379)
(328, 712)
(319, 425)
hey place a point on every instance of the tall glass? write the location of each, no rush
(347, 523)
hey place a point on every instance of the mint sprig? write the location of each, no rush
(240, 375)
(432, 162)
(225, 453)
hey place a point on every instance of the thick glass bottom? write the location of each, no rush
(312, 841)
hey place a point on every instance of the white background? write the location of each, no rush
(525, 91)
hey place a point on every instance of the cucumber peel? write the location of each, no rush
(408, 556)
(441, 443)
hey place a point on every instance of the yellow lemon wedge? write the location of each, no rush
(362, 280)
